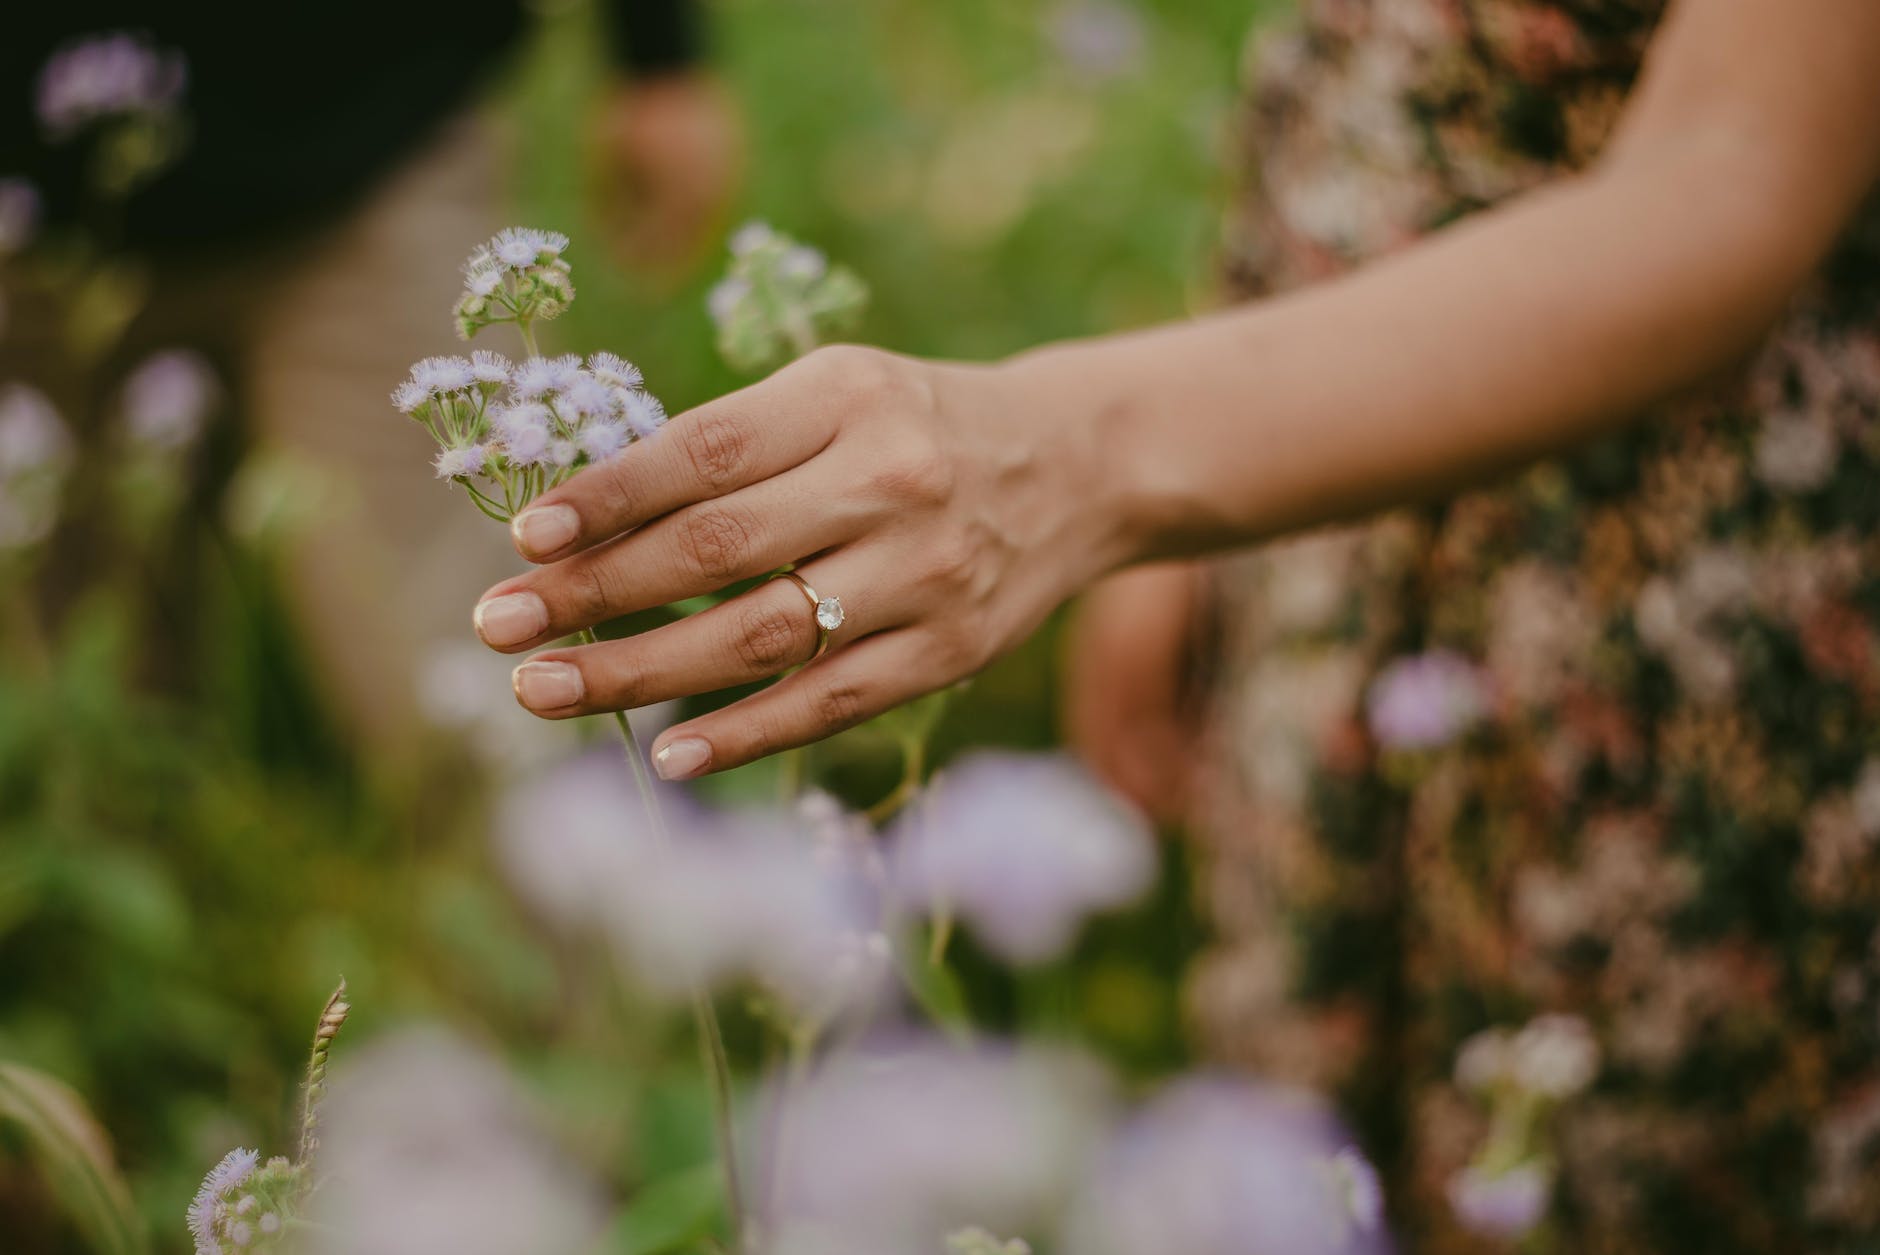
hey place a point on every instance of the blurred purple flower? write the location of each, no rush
(731, 895)
(106, 76)
(1023, 847)
(1099, 39)
(19, 215)
(168, 398)
(1505, 1205)
(1426, 700)
(890, 1148)
(1222, 1167)
(427, 1148)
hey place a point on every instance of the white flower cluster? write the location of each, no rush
(1552, 1057)
(523, 428)
(780, 299)
(510, 431)
(520, 276)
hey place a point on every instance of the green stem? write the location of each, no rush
(527, 328)
(704, 1017)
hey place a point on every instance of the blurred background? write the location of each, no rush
(247, 741)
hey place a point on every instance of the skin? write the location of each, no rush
(954, 506)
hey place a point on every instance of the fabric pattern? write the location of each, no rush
(1602, 739)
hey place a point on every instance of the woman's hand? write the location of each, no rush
(1130, 705)
(948, 511)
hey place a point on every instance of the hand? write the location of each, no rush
(671, 157)
(949, 509)
(1130, 708)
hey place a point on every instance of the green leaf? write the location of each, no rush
(937, 989)
(675, 1212)
(74, 1155)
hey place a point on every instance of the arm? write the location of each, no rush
(954, 506)
(1749, 143)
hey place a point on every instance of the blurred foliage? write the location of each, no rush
(187, 866)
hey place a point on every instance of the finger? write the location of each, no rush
(751, 637)
(708, 452)
(699, 549)
(840, 690)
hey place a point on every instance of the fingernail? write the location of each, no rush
(511, 619)
(682, 759)
(547, 685)
(543, 530)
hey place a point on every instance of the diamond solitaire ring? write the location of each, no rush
(828, 611)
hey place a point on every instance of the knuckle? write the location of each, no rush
(867, 378)
(715, 543)
(591, 591)
(768, 638)
(950, 564)
(914, 471)
(840, 704)
(624, 679)
(719, 447)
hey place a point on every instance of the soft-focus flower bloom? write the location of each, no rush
(750, 237)
(1426, 701)
(1219, 1167)
(1356, 1187)
(168, 398)
(19, 215)
(105, 77)
(428, 1149)
(1796, 453)
(780, 299)
(1098, 39)
(1504, 1205)
(1554, 1056)
(1023, 848)
(724, 298)
(1483, 1063)
(35, 454)
(892, 1145)
(730, 896)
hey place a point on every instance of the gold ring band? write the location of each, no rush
(825, 612)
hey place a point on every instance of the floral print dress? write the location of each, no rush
(1598, 745)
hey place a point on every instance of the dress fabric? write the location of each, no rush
(1602, 739)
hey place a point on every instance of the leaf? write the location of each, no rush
(671, 1213)
(74, 1155)
(937, 990)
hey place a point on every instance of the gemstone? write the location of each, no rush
(829, 613)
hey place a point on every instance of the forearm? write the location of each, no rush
(1523, 333)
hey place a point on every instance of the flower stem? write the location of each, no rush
(704, 1017)
(525, 326)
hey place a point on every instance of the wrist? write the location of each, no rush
(1094, 426)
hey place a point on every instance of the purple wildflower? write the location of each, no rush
(1023, 847)
(105, 77)
(1426, 701)
(1220, 1167)
(168, 398)
(1504, 1205)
